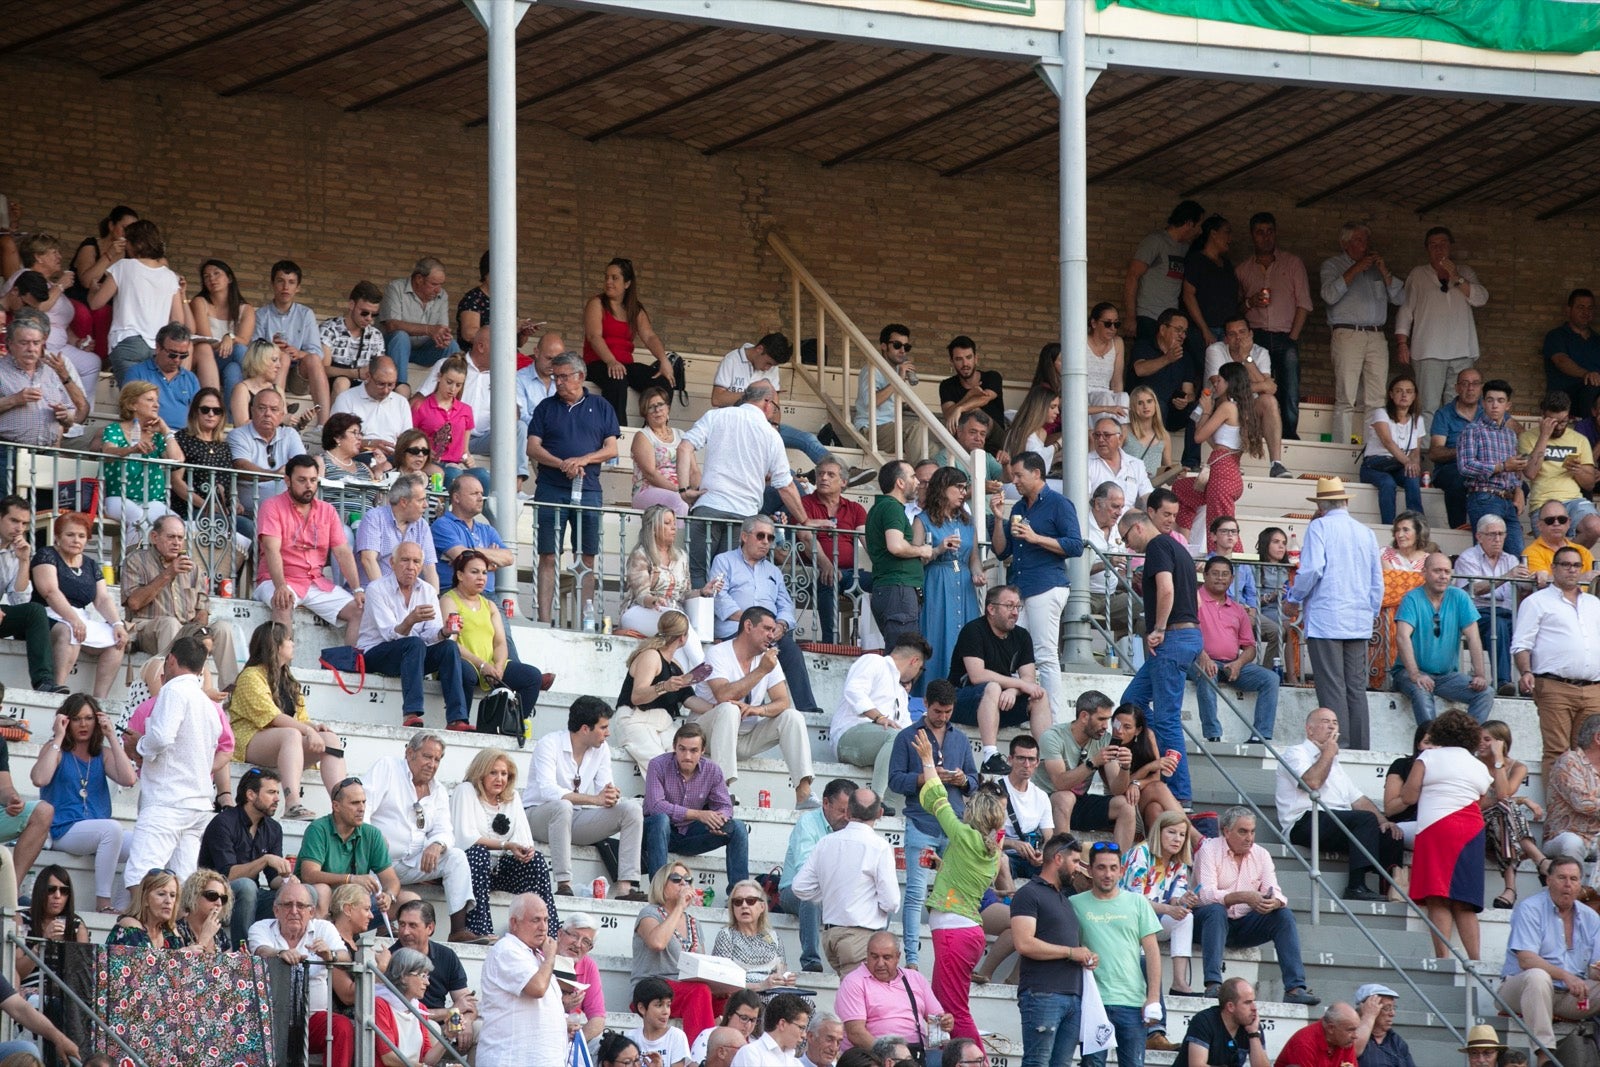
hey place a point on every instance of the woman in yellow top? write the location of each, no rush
(270, 725)
(486, 653)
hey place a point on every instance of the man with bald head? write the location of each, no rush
(533, 385)
(722, 1046)
(379, 404)
(294, 936)
(524, 1023)
(1328, 1042)
(402, 636)
(850, 875)
(1431, 622)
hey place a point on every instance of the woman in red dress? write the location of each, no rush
(1230, 427)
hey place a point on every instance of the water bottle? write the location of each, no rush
(591, 621)
(1294, 547)
(577, 489)
(135, 433)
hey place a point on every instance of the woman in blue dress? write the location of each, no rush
(953, 576)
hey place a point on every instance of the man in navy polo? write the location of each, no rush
(569, 436)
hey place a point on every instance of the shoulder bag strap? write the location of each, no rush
(916, 1012)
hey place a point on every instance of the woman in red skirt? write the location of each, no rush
(1224, 422)
(1447, 783)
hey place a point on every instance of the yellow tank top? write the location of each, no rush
(477, 626)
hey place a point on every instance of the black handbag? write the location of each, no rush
(501, 713)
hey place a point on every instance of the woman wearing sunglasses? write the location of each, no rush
(206, 905)
(748, 939)
(663, 932)
(199, 493)
(49, 916)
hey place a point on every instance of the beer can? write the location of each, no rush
(436, 482)
(452, 623)
(707, 896)
(600, 888)
(1427, 480)
(509, 605)
(764, 798)
(899, 858)
(108, 573)
(928, 858)
(224, 587)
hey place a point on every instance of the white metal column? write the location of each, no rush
(1072, 185)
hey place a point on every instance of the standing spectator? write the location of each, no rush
(403, 518)
(1444, 441)
(292, 327)
(71, 772)
(178, 747)
(270, 724)
(1029, 821)
(164, 593)
(1430, 666)
(1161, 869)
(1551, 953)
(1340, 584)
(1242, 904)
(488, 819)
(655, 458)
(1392, 455)
(264, 445)
(1172, 637)
(39, 397)
(402, 636)
(897, 563)
(1210, 288)
(1358, 289)
(245, 844)
(351, 341)
(873, 415)
(749, 456)
(1561, 467)
(1557, 654)
(1227, 657)
(298, 532)
(384, 413)
(809, 831)
(1042, 534)
(972, 389)
(1228, 421)
(570, 797)
(136, 491)
(67, 582)
(20, 615)
(1572, 353)
(687, 808)
(151, 296)
(415, 317)
(831, 513)
(461, 528)
(950, 599)
(1434, 329)
(1161, 365)
(1154, 279)
(1119, 928)
(569, 435)
(1050, 972)
(1277, 300)
(662, 933)
(524, 1024)
(873, 707)
(1491, 467)
(952, 752)
(657, 691)
(412, 811)
(342, 848)
(747, 578)
(881, 997)
(1227, 1034)
(613, 320)
(1447, 783)
(1342, 811)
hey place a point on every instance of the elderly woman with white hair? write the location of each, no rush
(1488, 573)
(407, 1043)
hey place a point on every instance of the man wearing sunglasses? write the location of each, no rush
(175, 384)
(1550, 527)
(1555, 644)
(1431, 621)
(874, 407)
(351, 341)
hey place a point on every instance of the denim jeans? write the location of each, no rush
(479, 445)
(1218, 932)
(230, 368)
(1481, 504)
(1129, 1025)
(1500, 648)
(408, 659)
(251, 904)
(1158, 688)
(1447, 479)
(1050, 1024)
(1372, 473)
(1285, 353)
(406, 350)
(660, 839)
(809, 913)
(1452, 686)
(917, 879)
(1253, 678)
(802, 440)
(828, 600)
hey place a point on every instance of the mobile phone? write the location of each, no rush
(701, 673)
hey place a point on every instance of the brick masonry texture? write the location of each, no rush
(349, 196)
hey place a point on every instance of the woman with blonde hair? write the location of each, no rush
(487, 657)
(486, 810)
(662, 933)
(135, 491)
(1161, 869)
(260, 364)
(970, 861)
(655, 692)
(206, 904)
(657, 579)
(151, 918)
(1147, 439)
(748, 939)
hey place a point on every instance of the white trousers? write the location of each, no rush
(452, 868)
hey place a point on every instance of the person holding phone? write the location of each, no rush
(657, 690)
(71, 773)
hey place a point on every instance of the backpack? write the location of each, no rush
(501, 713)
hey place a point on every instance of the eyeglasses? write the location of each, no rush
(174, 355)
(416, 451)
(740, 902)
(585, 943)
(566, 377)
(295, 905)
(1008, 605)
(207, 409)
(742, 1017)
(900, 346)
(214, 896)
(1568, 563)
(365, 314)
(628, 1061)
(1018, 757)
(1101, 435)
(1554, 520)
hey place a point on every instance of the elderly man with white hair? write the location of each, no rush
(39, 395)
(1487, 572)
(824, 1035)
(524, 1023)
(1109, 463)
(403, 518)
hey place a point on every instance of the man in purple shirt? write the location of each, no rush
(687, 808)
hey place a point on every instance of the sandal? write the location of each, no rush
(1507, 900)
(299, 813)
(980, 979)
(1543, 867)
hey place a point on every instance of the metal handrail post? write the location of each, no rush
(44, 969)
(1316, 857)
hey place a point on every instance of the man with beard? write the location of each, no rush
(297, 532)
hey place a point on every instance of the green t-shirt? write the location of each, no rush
(1059, 744)
(1112, 929)
(889, 514)
(366, 852)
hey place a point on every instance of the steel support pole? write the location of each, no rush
(1072, 187)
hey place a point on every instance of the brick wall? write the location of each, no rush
(360, 196)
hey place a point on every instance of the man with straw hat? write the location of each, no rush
(1339, 586)
(1483, 1046)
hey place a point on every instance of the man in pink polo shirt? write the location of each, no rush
(297, 532)
(872, 1001)
(1228, 654)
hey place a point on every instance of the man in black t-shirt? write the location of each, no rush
(1050, 975)
(447, 983)
(971, 389)
(993, 671)
(1172, 637)
(1228, 1034)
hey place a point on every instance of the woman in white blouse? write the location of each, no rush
(489, 822)
(1392, 456)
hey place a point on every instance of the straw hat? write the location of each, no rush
(1481, 1038)
(1329, 489)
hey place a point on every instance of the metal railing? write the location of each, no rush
(15, 943)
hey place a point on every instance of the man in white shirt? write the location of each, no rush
(1345, 814)
(824, 1035)
(293, 936)
(383, 412)
(570, 797)
(1556, 646)
(412, 811)
(874, 706)
(752, 711)
(402, 636)
(787, 1016)
(809, 829)
(175, 790)
(851, 874)
(1109, 463)
(1108, 599)
(749, 456)
(749, 363)
(524, 1024)
(1031, 822)
(1238, 346)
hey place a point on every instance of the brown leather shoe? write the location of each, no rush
(1160, 1043)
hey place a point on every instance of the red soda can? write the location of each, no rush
(600, 887)
(509, 605)
(764, 799)
(452, 623)
(899, 858)
(928, 858)
(224, 587)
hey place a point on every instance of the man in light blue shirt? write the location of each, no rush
(174, 382)
(1340, 587)
(533, 385)
(749, 579)
(403, 519)
(293, 328)
(874, 409)
(1430, 624)
(810, 828)
(1543, 969)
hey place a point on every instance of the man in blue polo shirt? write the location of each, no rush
(461, 528)
(1444, 434)
(1042, 535)
(569, 436)
(175, 383)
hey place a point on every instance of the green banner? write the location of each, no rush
(1504, 25)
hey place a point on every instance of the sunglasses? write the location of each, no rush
(677, 879)
(1111, 323)
(1554, 520)
(1104, 846)
(1437, 632)
(416, 451)
(759, 536)
(209, 410)
(345, 784)
(214, 896)
(365, 314)
(900, 346)
(57, 891)
(416, 810)
(744, 901)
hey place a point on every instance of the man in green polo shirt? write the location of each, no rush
(896, 562)
(343, 848)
